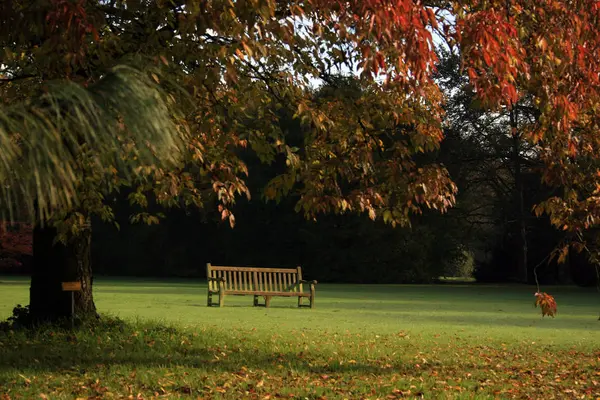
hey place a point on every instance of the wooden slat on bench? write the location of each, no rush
(253, 269)
(268, 293)
(294, 280)
(252, 279)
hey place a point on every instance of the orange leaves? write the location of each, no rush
(550, 52)
(379, 63)
(493, 55)
(397, 34)
(546, 303)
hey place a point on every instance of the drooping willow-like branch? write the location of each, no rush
(125, 118)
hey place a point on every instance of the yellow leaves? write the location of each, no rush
(372, 214)
(26, 380)
(247, 49)
(302, 107)
(563, 252)
(542, 44)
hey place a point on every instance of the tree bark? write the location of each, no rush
(522, 267)
(54, 263)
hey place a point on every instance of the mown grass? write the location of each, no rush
(362, 341)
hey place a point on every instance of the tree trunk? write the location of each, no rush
(54, 263)
(522, 268)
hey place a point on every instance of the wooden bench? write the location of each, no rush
(260, 282)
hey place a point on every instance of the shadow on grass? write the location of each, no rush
(129, 346)
(50, 358)
(113, 343)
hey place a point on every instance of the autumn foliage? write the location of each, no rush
(548, 52)
(545, 51)
(546, 303)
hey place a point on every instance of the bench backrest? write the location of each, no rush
(250, 279)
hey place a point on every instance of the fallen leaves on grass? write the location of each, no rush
(317, 365)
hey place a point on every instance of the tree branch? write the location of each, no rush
(16, 78)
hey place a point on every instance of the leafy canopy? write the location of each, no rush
(247, 62)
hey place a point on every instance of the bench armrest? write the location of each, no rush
(307, 282)
(221, 279)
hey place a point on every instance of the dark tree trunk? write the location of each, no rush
(522, 267)
(54, 263)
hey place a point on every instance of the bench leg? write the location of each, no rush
(256, 301)
(221, 294)
(300, 301)
(312, 296)
(267, 301)
(209, 300)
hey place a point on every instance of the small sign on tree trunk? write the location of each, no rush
(71, 286)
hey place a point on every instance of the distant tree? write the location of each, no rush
(16, 247)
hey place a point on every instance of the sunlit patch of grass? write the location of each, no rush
(363, 341)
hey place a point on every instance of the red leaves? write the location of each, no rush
(397, 32)
(69, 21)
(549, 51)
(493, 55)
(16, 241)
(546, 303)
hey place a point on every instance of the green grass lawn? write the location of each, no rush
(362, 341)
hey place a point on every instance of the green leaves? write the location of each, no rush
(115, 125)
